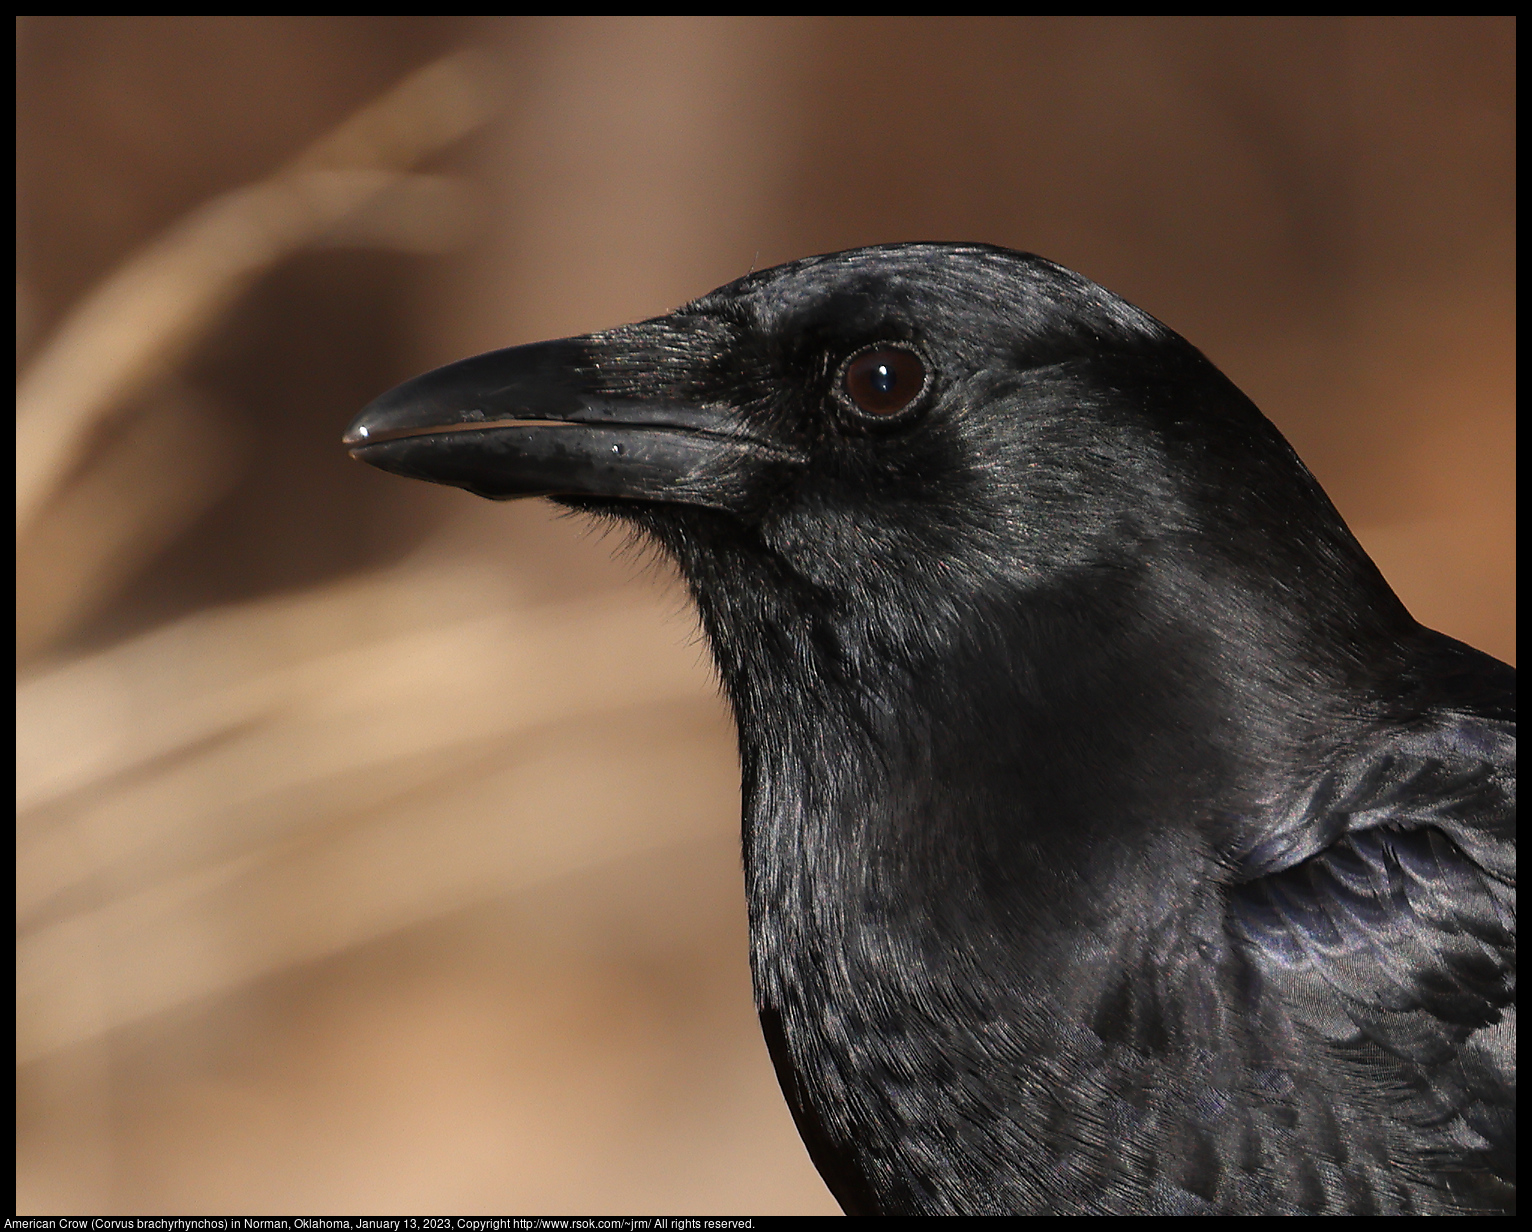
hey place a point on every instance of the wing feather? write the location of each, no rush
(1382, 910)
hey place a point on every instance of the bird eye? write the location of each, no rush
(884, 380)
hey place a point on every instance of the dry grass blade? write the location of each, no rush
(243, 752)
(286, 766)
(475, 836)
(172, 459)
(139, 322)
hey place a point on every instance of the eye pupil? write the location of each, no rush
(884, 380)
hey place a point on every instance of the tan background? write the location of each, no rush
(377, 845)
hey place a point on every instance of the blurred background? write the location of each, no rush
(377, 846)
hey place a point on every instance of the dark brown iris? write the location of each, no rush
(884, 380)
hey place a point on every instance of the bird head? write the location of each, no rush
(903, 435)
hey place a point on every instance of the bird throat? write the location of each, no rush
(924, 841)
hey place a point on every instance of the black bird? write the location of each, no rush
(1115, 841)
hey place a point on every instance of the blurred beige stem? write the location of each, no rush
(245, 750)
(140, 322)
(328, 890)
(173, 458)
(259, 786)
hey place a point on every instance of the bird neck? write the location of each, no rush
(942, 821)
(890, 790)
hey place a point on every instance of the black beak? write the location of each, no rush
(533, 421)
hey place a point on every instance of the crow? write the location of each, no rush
(1115, 841)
